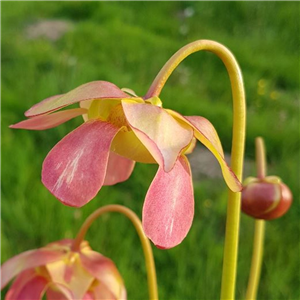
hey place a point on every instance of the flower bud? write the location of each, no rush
(266, 198)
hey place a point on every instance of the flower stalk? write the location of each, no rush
(150, 266)
(260, 155)
(237, 150)
(259, 231)
(257, 256)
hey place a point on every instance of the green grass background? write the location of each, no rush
(127, 43)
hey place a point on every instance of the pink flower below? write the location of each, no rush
(60, 273)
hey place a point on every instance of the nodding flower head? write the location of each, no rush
(267, 198)
(60, 273)
(120, 129)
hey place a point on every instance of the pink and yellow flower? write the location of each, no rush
(118, 131)
(60, 273)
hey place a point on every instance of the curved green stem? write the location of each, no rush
(260, 155)
(259, 231)
(237, 151)
(257, 255)
(150, 266)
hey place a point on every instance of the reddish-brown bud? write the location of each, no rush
(266, 198)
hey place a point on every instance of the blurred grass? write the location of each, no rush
(127, 43)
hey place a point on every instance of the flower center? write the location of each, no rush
(101, 109)
(117, 117)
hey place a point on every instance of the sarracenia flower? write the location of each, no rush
(60, 273)
(118, 131)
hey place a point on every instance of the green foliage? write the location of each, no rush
(127, 43)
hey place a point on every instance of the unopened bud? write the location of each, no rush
(266, 198)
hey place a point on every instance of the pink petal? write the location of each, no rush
(169, 205)
(58, 292)
(89, 296)
(101, 291)
(118, 169)
(207, 135)
(49, 121)
(21, 280)
(162, 135)
(28, 260)
(47, 100)
(104, 270)
(28, 286)
(74, 170)
(207, 130)
(56, 295)
(89, 91)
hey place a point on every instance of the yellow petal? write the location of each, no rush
(128, 145)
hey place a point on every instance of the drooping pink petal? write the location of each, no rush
(207, 135)
(28, 260)
(74, 170)
(169, 205)
(104, 270)
(162, 135)
(28, 286)
(207, 130)
(89, 91)
(118, 169)
(43, 122)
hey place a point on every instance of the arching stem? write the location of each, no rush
(259, 231)
(260, 155)
(150, 266)
(237, 150)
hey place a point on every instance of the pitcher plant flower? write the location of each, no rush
(60, 273)
(118, 130)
